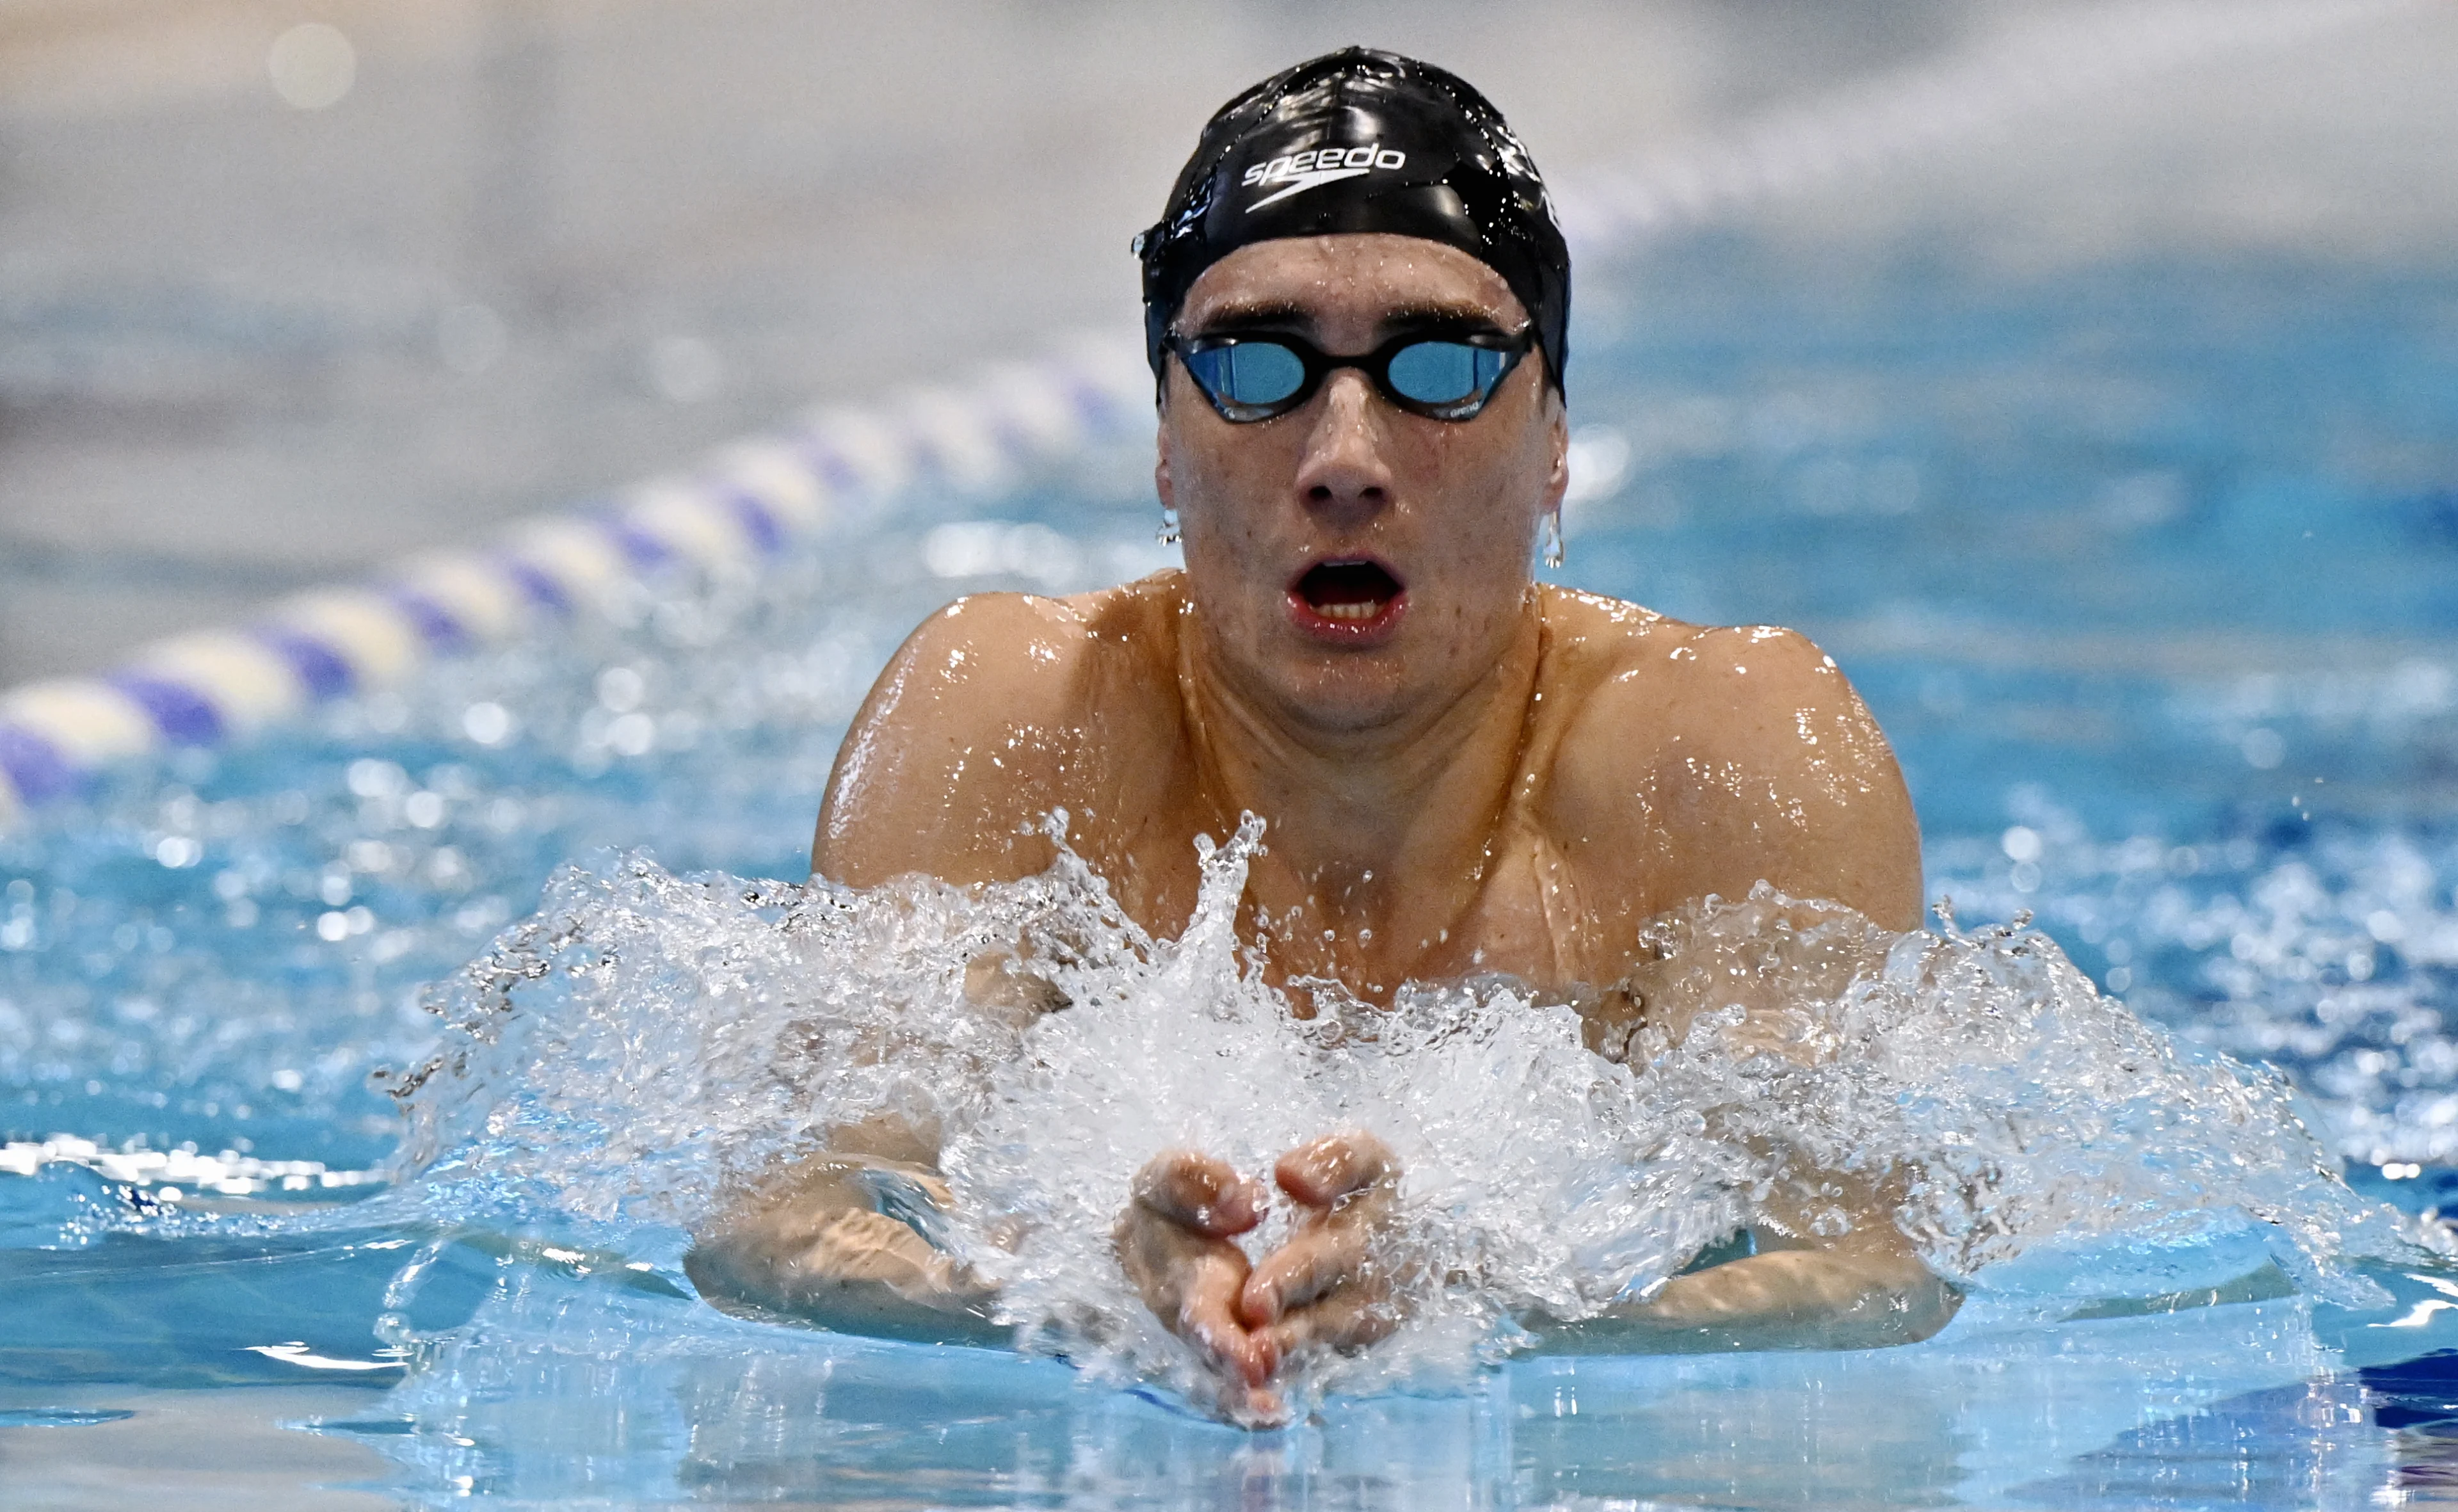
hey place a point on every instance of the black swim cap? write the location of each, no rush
(1362, 141)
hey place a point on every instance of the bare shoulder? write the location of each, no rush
(1743, 748)
(1020, 648)
(971, 731)
(1739, 689)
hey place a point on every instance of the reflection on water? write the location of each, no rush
(556, 1388)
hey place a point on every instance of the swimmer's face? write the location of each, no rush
(1352, 563)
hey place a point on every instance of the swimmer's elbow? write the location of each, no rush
(1903, 1307)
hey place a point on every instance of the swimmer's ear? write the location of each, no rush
(1162, 483)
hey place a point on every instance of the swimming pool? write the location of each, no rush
(2145, 565)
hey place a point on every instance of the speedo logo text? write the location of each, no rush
(1299, 171)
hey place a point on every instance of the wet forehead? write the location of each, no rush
(1346, 291)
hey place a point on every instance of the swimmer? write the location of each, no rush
(1356, 306)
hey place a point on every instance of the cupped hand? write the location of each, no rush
(1333, 1284)
(1175, 1241)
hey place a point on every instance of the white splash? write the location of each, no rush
(646, 1042)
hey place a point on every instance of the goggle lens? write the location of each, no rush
(1248, 372)
(1444, 372)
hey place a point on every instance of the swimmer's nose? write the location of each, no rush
(1342, 473)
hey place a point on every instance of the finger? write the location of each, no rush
(1310, 1266)
(1264, 1407)
(1207, 1319)
(1345, 1320)
(1334, 1167)
(1169, 1262)
(1199, 1192)
(1244, 1358)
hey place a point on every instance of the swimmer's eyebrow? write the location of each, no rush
(1282, 315)
(1433, 314)
(1256, 315)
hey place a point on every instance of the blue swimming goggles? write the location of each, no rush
(1255, 377)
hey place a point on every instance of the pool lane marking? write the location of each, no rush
(253, 685)
(487, 605)
(752, 498)
(53, 732)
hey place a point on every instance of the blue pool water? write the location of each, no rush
(2150, 571)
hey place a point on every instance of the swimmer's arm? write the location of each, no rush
(960, 746)
(810, 1242)
(1857, 1293)
(1863, 1289)
(1781, 774)
(1860, 1289)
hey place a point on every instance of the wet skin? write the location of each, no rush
(1462, 771)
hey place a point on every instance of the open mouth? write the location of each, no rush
(1347, 595)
